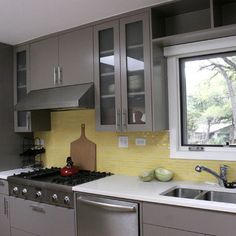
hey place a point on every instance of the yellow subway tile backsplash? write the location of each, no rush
(129, 161)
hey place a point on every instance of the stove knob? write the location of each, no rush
(54, 197)
(38, 194)
(66, 200)
(15, 190)
(24, 191)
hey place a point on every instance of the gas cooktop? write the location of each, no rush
(48, 186)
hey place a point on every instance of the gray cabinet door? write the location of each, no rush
(41, 219)
(4, 215)
(153, 230)
(22, 119)
(76, 57)
(43, 63)
(107, 76)
(136, 73)
(123, 74)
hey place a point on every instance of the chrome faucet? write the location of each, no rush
(222, 177)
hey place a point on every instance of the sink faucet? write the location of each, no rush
(222, 177)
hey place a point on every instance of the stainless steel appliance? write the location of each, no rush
(48, 186)
(46, 201)
(106, 217)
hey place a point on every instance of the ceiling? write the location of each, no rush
(23, 20)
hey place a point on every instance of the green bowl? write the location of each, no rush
(147, 176)
(163, 175)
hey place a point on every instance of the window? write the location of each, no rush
(202, 99)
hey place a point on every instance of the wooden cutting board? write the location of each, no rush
(83, 152)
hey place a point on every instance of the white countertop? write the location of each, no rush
(5, 174)
(128, 187)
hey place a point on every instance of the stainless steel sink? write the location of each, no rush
(202, 195)
(219, 197)
(183, 193)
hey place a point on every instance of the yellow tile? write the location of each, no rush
(130, 161)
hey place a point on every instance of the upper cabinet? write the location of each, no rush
(184, 21)
(21, 87)
(44, 64)
(63, 60)
(25, 121)
(123, 74)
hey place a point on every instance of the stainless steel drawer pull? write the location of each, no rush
(55, 76)
(59, 74)
(108, 205)
(38, 209)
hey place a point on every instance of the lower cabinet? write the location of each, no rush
(33, 218)
(153, 230)
(169, 220)
(4, 215)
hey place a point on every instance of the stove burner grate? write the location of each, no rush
(82, 177)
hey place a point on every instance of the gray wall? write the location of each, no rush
(10, 142)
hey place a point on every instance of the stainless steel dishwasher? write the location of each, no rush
(106, 217)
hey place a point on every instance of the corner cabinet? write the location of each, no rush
(26, 121)
(123, 74)
(22, 119)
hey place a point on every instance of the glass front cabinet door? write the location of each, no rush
(123, 74)
(21, 81)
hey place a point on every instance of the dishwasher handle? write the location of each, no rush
(103, 205)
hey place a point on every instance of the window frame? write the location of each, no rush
(173, 54)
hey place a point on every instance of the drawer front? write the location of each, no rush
(17, 232)
(151, 230)
(189, 219)
(4, 187)
(41, 219)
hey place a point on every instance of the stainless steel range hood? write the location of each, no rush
(65, 98)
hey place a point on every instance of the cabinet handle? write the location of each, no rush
(124, 120)
(118, 121)
(59, 72)
(2, 183)
(5, 207)
(38, 209)
(55, 76)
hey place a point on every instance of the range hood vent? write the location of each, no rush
(60, 98)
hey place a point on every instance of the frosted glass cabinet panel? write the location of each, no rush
(21, 62)
(122, 74)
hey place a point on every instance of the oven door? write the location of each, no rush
(106, 217)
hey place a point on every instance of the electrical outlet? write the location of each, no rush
(123, 142)
(140, 142)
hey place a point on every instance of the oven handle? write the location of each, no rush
(108, 206)
(37, 209)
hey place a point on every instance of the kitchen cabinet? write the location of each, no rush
(123, 74)
(190, 21)
(25, 121)
(4, 209)
(153, 230)
(41, 219)
(62, 60)
(21, 87)
(158, 218)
